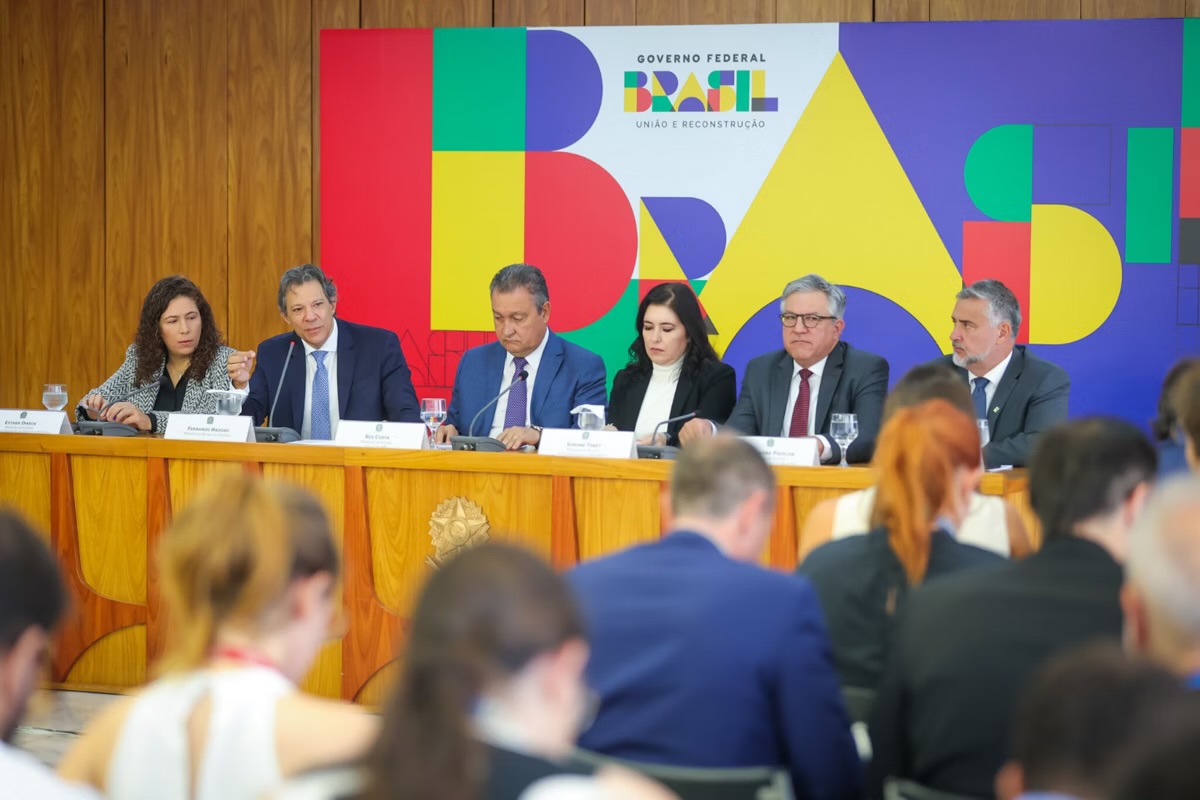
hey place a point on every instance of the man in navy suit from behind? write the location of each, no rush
(560, 375)
(700, 657)
(351, 371)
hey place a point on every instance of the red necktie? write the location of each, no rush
(799, 425)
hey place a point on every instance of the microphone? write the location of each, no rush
(486, 444)
(276, 433)
(97, 427)
(663, 451)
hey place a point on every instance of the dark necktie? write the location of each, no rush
(799, 426)
(514, 415)
(979, 395)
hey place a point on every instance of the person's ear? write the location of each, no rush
(1132, 506)
(310, 595)
(1135, 634)
(19, 670)
(1189, 452)
(545, 312)
(1010, 781)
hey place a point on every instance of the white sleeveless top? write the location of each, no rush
(238, 759)
(985, 525)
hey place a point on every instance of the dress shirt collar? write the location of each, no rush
(330, 345)
(816, 368)
(532, 360)
(994, 375)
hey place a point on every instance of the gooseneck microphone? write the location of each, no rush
(680, 418)
(485, 444)
(275, 433)
(662, 451)
(520, 376)
(98, 427)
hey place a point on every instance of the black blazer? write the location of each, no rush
(863, 588)
(712, 393)
(964, 649)
(1032, 396)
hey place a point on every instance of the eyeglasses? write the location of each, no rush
(809, 320)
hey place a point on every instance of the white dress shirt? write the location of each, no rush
(814, 389)
(310, 372)
(660, 396)
(25, 777)
(533, 360)
(993, 378)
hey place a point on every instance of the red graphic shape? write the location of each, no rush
(580, 230)
(1001, 251)
(376, 179)
(1189, 173)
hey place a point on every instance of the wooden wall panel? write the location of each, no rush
(1112, 9)
(901, 10)
(610, 12)
(823, 11)
(270, 214)
(538, 13)
(1003, 9)
(166, 123)
(1192, 9)
(704, 12)
(426, 14)
(111, 525)
(326, 14)
(118, 659)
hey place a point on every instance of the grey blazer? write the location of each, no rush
(854, 382)
(1032, 396)
(196, 399)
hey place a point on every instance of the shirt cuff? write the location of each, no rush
(827, 453)
(715, 430)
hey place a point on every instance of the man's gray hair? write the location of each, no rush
(303, 274)
(713, 477)
(516, 276)
(1164, 552)
(1001, 302)
(815, 283)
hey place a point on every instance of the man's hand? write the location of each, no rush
(695, 429)
(444, 433)
(516, 437)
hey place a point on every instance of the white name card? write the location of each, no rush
(589, 444)
(14, 420)
(400, 435)
(785, 451)
(209, 428)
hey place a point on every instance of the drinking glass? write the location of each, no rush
(844, 430)
(433, 414)
(985, 435)
(54, 396)
(228, 401)
(591, 421)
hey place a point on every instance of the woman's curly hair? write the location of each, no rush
(151, 352)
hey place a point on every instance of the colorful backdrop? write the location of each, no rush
(897, 160)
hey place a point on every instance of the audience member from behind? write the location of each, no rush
(1161, 598)
(967, 644)
(177, 355)
(32, 602)
(492, 695)
(673, 370)
(702, 658)
(1165, 427)
(928, 463)
(1078, 720)
(990, 523)
(1185, 406)
(247, 572)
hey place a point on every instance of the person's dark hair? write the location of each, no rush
(303, 274)
(1185, 403)
(481, 618)
(1162, 427)
(1087, 468)
(516, 276)
(927, 382)
(714, 476)
(151, 352)
(31, 588)
(1082, 711)
(682, 300)
(1163, 766)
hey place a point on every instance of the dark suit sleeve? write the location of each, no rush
(592, 388)
(455, 413)
(617, 413)
(889, 720)
(718, 394)
(744, 417)
(258, 401)
(821, 754)
(399, 397)
(1047, 408)
(867, 402)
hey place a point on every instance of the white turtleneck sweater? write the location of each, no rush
(660, 394)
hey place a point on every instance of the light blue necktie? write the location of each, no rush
(319, 423)
(979, 395)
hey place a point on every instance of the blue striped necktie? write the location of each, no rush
(319, 422)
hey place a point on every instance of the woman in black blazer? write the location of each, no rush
(673, 369)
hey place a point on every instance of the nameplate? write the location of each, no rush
(589, 444)
(14, 420)
(398, 435)
(785, 451)
(209, 428)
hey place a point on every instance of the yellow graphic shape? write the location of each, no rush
(836, 202)
(691, 88)
(1074, 275)
(656, 262)
(477, 226)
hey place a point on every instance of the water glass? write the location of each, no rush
(591, 421)
(54, 396)
(844, 430)
(228, 402)
(985, 435)
(433, 413)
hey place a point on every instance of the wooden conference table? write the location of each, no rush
(106, 502)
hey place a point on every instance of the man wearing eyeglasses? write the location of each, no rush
(794, 391)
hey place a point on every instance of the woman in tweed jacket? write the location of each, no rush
(177, 355)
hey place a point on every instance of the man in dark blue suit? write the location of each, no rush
(702, 658)
(338, 370)
(559, 375)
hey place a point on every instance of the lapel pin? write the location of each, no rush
(996, 410)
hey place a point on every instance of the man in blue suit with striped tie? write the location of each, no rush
(558, 375)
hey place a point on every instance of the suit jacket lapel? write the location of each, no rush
(1008, 382)
(684, 400)
(345, 367)
(777, 396)
(297, 384)
(552, 358)
(829, 383)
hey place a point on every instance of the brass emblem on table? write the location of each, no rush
(456, 524)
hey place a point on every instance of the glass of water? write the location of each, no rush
(433, 414)
(844, 430)
(54, 396)
(985, 435)
(228, 402)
